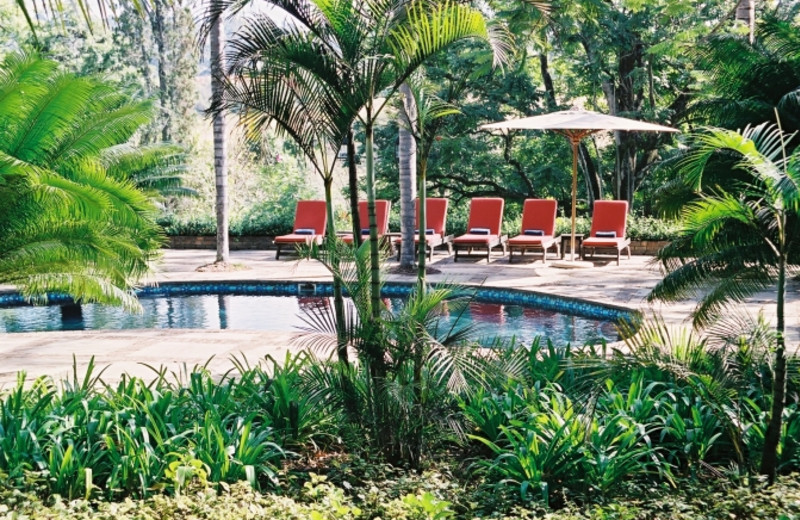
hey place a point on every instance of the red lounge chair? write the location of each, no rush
(435, 234)
(310, 221)
(382, 208)
(538, 228)
(487, 312)
(609, 219)
(483, 229)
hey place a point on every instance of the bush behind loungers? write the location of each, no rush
(639, 227)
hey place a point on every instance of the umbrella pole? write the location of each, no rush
(575, 141)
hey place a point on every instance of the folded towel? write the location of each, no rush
(534, 232)
(305, 231)
(365, 231)
(605, 234)
(479, 231)
(428, 231)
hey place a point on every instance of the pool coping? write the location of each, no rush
(131, 351)
(299, 287)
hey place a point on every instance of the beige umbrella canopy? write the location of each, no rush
(575, 125)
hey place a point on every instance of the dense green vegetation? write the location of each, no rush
(520, 431)
(277, 218)
(537, 428)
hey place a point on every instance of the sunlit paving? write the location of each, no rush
(399, 260)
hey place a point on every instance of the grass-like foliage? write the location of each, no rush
(671, 407)
(83, 438)
(537, 427)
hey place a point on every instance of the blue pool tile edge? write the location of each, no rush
(541, 300)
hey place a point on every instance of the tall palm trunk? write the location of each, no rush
(352, 179)
(157, 23)
(772, 437)
(338, 296)
(375, 265)
(407, 152)
(220, 152)
(375, 349)
(423, 225)
(746, 12)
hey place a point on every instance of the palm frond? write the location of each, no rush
(429, 29)
(67, 225)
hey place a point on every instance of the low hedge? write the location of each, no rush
(319, 499)
(639, 227)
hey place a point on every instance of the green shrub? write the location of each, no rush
(86, 439)
(582, 423)
(639, 228)
(651, 228)
(277, 218)
(552, 444)
(265, 219)
(203, 225)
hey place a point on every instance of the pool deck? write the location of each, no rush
(135, 351)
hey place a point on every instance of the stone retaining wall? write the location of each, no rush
(647, 247)
(638, 247)
(207, 242)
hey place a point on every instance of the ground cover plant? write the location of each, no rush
(566, 432)
(82, 438)
(532, 430)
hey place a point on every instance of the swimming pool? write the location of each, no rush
(492, 312)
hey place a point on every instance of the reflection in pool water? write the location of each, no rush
(284, 313)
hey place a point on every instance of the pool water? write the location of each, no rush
(285, 313)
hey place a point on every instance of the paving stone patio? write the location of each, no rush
(135, 351)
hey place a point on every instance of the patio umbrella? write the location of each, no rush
(575, 125)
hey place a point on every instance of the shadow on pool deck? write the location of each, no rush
(128, 351)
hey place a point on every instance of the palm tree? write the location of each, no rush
(362, 50)
(350, 53)
(407, 155)
(71, 222)
(264, 93)
(423, 126)
(739, 243)
(324, 67)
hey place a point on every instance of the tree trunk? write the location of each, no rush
(157, 23)
(220, 153)
(626, 97)
(547, 79)
(423, 225)
(375, 261)
(594, 186)
(338, 295)
(407, 154)
(375, 348)
(352, 181)
(772, 437)
(746, 12)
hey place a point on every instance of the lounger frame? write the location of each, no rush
(484, 212)
(609, 215)
(536, 214)
(436, 215)
(308, 214)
